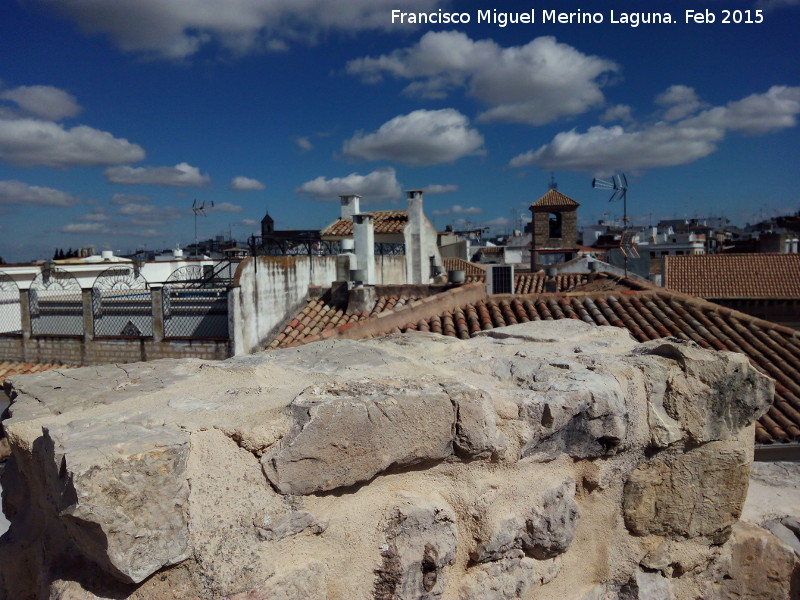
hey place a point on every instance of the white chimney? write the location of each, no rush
(350, 206)
(364, 237)
(107, 254)
(415, 265)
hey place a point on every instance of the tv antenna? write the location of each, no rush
(198, 209)
(619, 183)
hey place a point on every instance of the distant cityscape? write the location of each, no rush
(638, 248)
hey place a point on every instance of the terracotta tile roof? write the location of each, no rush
(534, 283)
(459, 264)
(386, 221)
(734, 275)
(652, 314)
(555, 199)
(321, 314)
(7, 369)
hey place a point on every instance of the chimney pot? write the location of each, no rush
(350, 205)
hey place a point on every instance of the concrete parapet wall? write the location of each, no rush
(98, 351)
(269, 290)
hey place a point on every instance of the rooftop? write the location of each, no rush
(554, 198)
(385, 221)
(757, 275)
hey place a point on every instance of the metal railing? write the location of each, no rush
(56, 304)
(194, 304)
(122, 305)
(10, 307)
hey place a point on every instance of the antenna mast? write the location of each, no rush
(619, 183)
(198, 209)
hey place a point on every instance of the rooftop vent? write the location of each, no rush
(500, 279)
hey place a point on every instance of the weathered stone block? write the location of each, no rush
(541, 531)
(420, 543)
(712, 395)
(346, 434)
(342, 435)
(699, 492)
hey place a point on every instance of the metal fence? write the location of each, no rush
(122, 304)
(194, 306)
(56, 305)
(10, 307)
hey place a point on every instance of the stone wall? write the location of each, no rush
(547, 460)
(541, 228)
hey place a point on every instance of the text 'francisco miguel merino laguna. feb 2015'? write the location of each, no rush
(578, 17)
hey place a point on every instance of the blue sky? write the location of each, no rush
(116, 116)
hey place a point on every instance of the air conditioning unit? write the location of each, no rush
(499, 279)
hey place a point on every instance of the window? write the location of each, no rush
(555, 225)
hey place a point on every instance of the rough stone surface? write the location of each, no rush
(420, 543)
(508, 578)
(699, 492)
(571, 408)
(342, 435)
(787, 530)
(543, 531)
(698, 395)
(548, 460)
(756, 566)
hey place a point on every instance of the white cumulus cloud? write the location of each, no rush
(17, 192)
(457, 209)
(436, 188)
(43, 101)
(139, 211)
(304, 143)
(423, 137)
(679, 102)
(537, 83)
(122, 199)
(86, 228)
(181, 175)
(381, 184)
(176, 29)
(663, 144)
(620, 112)
(97, 216)
(33, 143)
(242, 184)
(226, 207)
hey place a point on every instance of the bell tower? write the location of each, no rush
(554, 226)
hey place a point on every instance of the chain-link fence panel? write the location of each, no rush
(55, 304)
(10, 308)
(195, 312)
(122, 304)
(193, 306)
